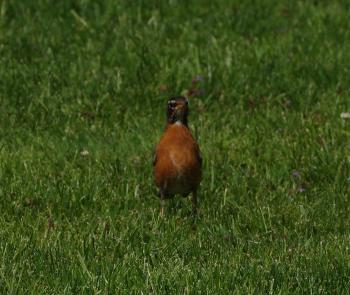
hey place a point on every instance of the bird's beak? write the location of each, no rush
(179, 107)
(179, 110)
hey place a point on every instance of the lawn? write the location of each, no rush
(83, 91)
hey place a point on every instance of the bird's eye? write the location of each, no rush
(172, 103)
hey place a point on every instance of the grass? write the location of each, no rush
(83, 87)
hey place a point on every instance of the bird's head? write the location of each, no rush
(177, 110)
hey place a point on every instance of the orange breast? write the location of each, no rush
(177, 168)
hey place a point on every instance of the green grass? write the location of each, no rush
(94, 76)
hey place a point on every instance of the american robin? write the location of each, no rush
(177, 162)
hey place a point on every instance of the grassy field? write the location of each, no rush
(83, 89)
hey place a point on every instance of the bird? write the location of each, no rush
(177, 162)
